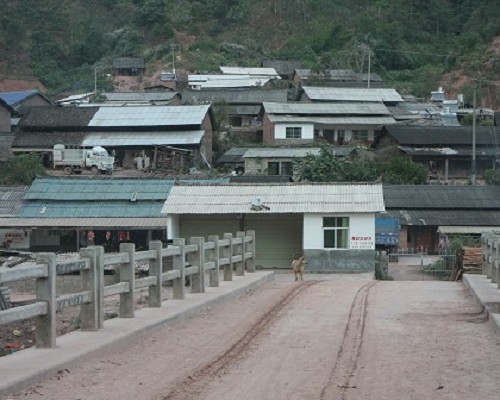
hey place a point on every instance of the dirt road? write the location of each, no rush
(344, 338)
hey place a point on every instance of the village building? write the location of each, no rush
(175, 138)
(19, 100)
(285, 68)
(275, 161)
(129, 66)
(445, 150)
(333, 225)
(314, 94)
(141, 98)
(427, 213)
(340, 124)
(241, 109)
(11, 201)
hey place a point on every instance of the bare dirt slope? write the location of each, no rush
(344, 338)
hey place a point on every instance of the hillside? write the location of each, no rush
(415, 45)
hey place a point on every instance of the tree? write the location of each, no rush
(325, 167)
(21, 170)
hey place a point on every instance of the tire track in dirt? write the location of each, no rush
(346, 363)
(193, 384)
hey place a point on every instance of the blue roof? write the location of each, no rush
(13, 98)
(86, 209)
(132, 189)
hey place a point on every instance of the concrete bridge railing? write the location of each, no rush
(491, 257)
(194, 258)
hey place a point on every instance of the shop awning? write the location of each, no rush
(467, 230)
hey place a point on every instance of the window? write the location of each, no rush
(293, 132)
(286, 168)
(277, 168)
(273, 168)
(336, 232)
(361, 135)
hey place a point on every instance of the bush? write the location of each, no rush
(21, 170)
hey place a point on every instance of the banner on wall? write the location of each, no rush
(362, 243)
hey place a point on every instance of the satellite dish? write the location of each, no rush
(257, 202)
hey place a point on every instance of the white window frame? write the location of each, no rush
(336, 229)
(293, 132)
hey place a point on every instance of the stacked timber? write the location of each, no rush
(469, 261)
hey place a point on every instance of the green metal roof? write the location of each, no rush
(87, 209)
(104, 189)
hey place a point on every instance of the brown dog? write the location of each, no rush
(298, 267)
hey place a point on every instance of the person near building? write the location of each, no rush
(90, 238)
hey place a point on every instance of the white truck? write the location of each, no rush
(75, 160)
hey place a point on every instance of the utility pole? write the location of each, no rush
(473, 169)
(369, 66)
(95, 81)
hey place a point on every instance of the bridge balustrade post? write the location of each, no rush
(46, 291)
(197, 259)
(495, 263)
(240, 250)
(178, 264)
(127, 274)
(156, 270)
(99, 262)
(228, 253)
(213, 255)
(89, 315)
(250, 247)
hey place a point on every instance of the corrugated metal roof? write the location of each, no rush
(143, 138)
(13, 98)
(140, 96)
(249, 71)
(11, 200)
(333, 120)
(78, 189)
(149, 116)
(237, 83)
(233, 155)
(128, 62)
(352, 94)
(281, 152)
(121, 222)
(326, 109)
(235, 96)
(464, 230)
(94, 209)
(280, 198)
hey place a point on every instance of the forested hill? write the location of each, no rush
(414, 44)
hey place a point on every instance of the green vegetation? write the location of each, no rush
(411, 43)
(327, 168)
(21, 170)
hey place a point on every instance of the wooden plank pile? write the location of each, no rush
(469, 261)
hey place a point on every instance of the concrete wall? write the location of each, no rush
(4, 119)
(361, 226)
(344, 261)
(360, 257)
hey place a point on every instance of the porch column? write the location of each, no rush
(446, 168)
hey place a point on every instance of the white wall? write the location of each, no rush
(173, 228)
(307, 130)
(361, 228)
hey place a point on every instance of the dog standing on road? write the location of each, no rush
(298, 267)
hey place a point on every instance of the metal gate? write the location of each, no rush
(419, 265)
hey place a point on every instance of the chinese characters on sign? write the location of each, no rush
(362, 242)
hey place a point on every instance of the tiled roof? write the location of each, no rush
(441, 197)
(46, 117)
(278, 198)
(446, 217)
(443, 135)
